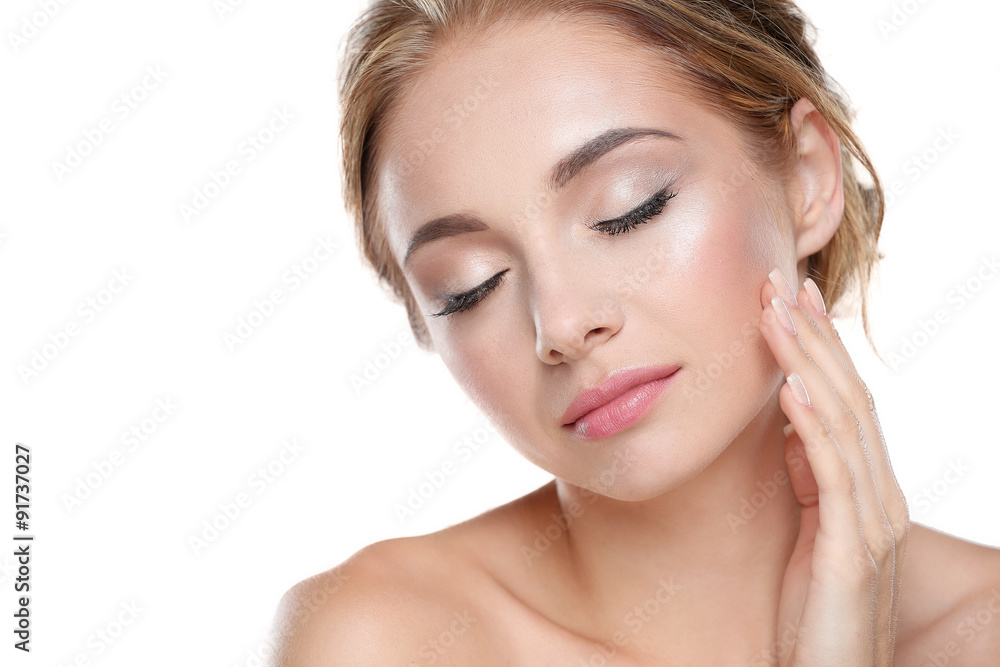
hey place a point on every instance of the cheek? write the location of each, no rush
(712, 257)
(484, 364)
(496, 375)
(708, 297)
(746, 250)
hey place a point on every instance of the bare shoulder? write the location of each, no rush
(399, 601)
(950, 602)
(402, 601)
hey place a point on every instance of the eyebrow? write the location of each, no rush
(562, 173)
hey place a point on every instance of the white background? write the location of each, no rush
(161, 337)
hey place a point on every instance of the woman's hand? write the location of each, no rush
(841, 587)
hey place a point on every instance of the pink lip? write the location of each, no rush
(618, 402)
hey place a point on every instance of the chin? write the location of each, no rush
(646, 465)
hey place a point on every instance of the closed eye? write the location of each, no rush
(466, 300)
(643, 213)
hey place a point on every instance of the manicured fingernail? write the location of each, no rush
(814, 295)
(782, 287)
(787, 429)
(781, 310)
(798, 389)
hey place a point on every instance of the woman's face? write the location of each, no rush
(484, 136)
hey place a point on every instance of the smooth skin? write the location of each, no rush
(631, 555)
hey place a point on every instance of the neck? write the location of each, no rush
(711, 552)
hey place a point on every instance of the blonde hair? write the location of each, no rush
(750, 62)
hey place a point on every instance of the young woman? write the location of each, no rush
(624, 225)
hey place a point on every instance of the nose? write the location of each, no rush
(573, 315)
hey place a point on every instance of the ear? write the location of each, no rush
(817, 180)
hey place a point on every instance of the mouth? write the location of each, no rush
(619, 402)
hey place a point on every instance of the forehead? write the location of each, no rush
(479, 129)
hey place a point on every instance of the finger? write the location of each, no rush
(845, 537)
(834, 378)
(836, 491)
(800, 475)
(839, 545)
(893, 540)
(793, 353)
(897, 578)
(850, 386)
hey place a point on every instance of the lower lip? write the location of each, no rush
(617, 415)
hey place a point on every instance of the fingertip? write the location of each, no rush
(766, 293)
(815, 296)
(798, 389)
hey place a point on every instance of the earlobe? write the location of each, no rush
(818, 178)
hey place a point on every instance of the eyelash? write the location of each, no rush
(645, 212)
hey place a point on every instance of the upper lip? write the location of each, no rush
(614, 386)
